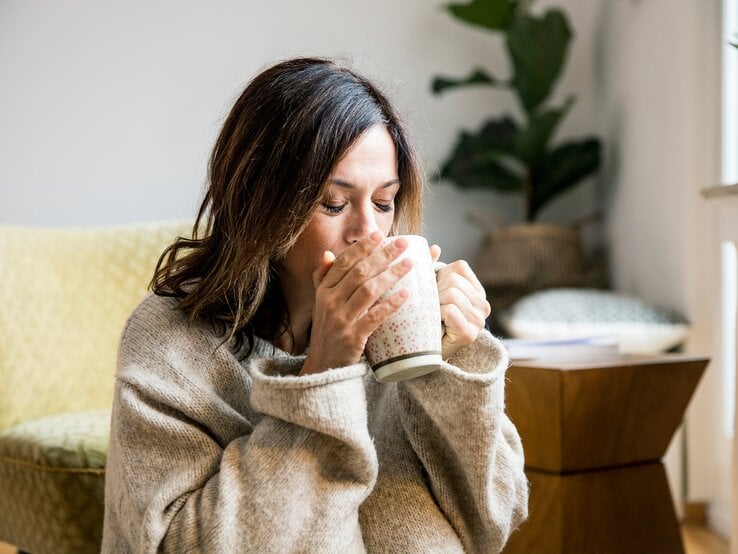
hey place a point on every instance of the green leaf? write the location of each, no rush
(477, 77)
(538, 48)
(483, 160)
(561, 169)
(490, 14)
(735, 44)
(532, 141)
(498, 135)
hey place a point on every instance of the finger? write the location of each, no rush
(450, 280)
(326, 261)
(473, 314)
(462, 268)
(459, 331)
(435, 252)
(349, 257)
(378, 314)
(371, 266)
(369, 292)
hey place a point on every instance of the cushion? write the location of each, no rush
(53, 476)
(564, 313)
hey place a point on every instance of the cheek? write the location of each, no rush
(385, 222)
(317, 238)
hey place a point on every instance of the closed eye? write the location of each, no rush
(332, 209)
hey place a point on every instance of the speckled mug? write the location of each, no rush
(408, 343)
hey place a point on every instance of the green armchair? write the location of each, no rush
(65, 296)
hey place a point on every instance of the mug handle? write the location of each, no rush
(438, 266)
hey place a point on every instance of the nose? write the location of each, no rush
(362, 223)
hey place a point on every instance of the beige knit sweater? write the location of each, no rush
(211, 455)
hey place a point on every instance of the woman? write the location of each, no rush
(245, 418)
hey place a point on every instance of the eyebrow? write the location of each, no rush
(347, 185)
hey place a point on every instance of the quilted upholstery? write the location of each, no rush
(65, 296)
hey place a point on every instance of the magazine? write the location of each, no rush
(580, 349)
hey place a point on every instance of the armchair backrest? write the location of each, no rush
(65, 294)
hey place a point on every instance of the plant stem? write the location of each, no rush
(528, 196)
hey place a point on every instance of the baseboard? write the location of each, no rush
(694, 513)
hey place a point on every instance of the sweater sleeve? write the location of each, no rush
(471, 451)
(290, 477)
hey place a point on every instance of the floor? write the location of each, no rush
(697, 540)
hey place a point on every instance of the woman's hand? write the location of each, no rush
(464, 306)
(347, 290)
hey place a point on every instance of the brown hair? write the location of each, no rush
(268, 171)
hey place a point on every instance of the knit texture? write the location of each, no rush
(209, 454)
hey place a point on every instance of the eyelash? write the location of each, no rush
(384, 208)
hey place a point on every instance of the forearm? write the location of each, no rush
(303, 497)
(471, 451)
(294, 479)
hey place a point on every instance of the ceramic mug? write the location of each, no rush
(408, 343)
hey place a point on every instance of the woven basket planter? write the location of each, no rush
(522, 258)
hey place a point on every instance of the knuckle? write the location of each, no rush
(342, 263)
(331, 304)
(378, 315)
(478, 320)
(362, 270)
(389, 252)
(445, 310)
(374, 319)
(464, 266)
(398, 300)
(456, 280)
(456, 296)
(369, 289)
(400, 269)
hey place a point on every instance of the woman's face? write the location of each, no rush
(359, 199)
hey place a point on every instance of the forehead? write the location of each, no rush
(374, 150)
(349, 186)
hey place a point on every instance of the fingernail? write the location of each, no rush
(376, 236)
(407, 263)
(400, 243)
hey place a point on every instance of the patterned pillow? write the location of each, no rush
(562, 313)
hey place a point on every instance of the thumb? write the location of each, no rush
(326, 262)
(435, 252)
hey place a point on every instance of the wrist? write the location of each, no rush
(309, 368)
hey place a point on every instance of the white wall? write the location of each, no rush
(108, 110)
(660, 95)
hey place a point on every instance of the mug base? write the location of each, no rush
(407, 368)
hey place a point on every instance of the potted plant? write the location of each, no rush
(517, 155)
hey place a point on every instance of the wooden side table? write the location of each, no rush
(594, 436)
